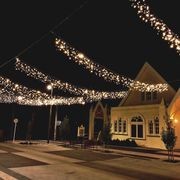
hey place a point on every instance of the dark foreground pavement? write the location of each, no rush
(51, 161)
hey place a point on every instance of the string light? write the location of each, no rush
(89, 95)
(14, 93)
(144, 13)
(103, 72)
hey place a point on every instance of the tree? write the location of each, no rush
(168, 137)
(30, 129)
(65, 129)
(106, 133)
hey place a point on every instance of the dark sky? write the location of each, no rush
(109, 32)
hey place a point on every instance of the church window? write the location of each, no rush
(156, 122)
(137, 125)
(124, 126)
(154, 126)
(150, 127)
(120, 125)
(115, 126)
(148, 96)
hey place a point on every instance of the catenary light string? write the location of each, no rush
(8, 95)
(88, 94)
(145, 14)
(99, 70)
(21, 100)
(147, 88)
(23, 95)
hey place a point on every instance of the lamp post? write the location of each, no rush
(49, 87)
(55, 123)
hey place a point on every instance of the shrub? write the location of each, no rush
(127, 142)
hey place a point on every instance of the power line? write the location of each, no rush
(46, 34)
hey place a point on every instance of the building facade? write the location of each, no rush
(141, 115)
(174, 112)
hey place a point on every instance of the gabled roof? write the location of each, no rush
(140, 77)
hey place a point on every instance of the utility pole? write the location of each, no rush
(49, 87)
(55, 122)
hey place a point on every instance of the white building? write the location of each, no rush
(141, 115)
(174, 111)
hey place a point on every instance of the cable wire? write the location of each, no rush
(46, 34)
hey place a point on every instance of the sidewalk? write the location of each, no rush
(132, 151)
(139, 152)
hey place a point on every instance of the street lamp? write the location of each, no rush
(49, 87)
(55, 123)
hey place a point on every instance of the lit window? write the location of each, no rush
(115, 126)
(148, 96)
(154, 126)
(124, 126)
(156, 122)
(120, 125)
(151, 127)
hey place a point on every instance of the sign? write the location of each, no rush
(81, 131)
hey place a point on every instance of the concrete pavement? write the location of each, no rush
(52, 161)
(159, 154)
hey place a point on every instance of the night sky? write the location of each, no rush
(109, 32)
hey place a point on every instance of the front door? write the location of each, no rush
(98, 126)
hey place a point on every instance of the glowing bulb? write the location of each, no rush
(80, 55)
(49, 87)
(20, 98)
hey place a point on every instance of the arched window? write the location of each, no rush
(137, 127)
(99, 113)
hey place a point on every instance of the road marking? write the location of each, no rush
(1, 151)
(5, 176)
